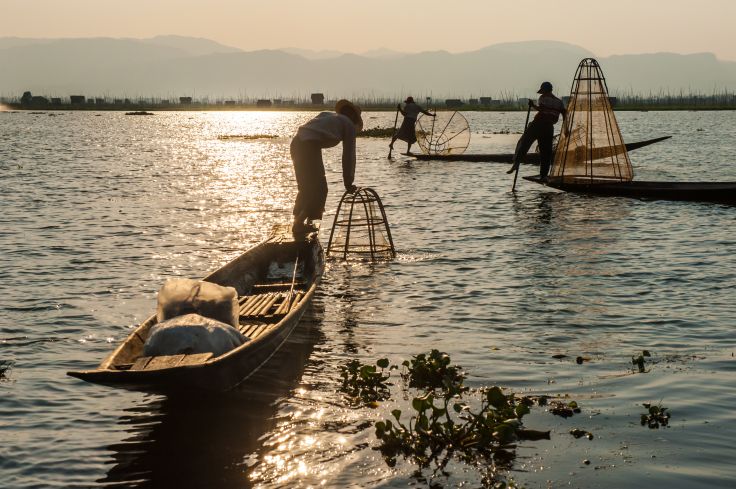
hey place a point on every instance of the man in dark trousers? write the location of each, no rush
(406, 132)
(326, 130)
(541, 129)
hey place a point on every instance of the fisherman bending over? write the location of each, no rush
(406, 132)
(541, 129)
(326, 130)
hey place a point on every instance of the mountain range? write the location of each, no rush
(170, 66)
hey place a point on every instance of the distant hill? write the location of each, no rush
(170, 66)
(194, 46)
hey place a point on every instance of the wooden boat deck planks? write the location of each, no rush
(168, 361)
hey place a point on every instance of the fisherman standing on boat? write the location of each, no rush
(326, 130)
(406, 132)
(541, 129)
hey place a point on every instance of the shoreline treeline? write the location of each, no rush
(663, 100)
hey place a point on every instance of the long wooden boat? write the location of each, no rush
(270, 310)
(717, 192)
(531, 158)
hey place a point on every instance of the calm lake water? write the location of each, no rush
(98, 209)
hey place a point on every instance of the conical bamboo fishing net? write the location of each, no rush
(591, 149)
(446, 133)
(360, 228)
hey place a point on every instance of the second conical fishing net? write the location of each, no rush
(447, 133)
(591, 149)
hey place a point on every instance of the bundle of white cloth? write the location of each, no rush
(195, 317)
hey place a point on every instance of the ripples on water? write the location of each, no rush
(99, 209)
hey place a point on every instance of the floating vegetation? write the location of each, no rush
(366, 384)
(139, 112)
(578, 433)
(434, 371)
(447, 422)
(5, 367)
(638, 360)
(245, 137)
(505, 130)
(655, 417)
(377, 132)
(564, 409)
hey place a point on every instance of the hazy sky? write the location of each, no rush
(604, 27)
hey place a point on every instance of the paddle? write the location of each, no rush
(518, 163)
(396, 119)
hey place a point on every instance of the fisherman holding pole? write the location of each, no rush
(541, 129)
(406, 132)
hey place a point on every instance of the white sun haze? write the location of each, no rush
(603, 27)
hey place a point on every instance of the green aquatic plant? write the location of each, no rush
(433, 371)
(578, 433)
(5, 367)
(639, 361)
(377, 132)
(450, 422)
(442, 428)
(366, 384)
(564, 409)
(655, 416)
(446, 421)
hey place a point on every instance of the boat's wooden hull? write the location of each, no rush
(717, 192)
(229, 370)
(531, 158)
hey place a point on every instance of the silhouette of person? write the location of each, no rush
(326, 130)
(541, 129)
(406, 132)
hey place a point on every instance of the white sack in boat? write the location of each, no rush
(192, 333)
(181, 296)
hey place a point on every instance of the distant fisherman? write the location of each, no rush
(541, 129)
(406, 132)
(326, 130)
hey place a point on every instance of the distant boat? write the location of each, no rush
(591, 157)
(717, 192)
(530, 158)
(270, 310)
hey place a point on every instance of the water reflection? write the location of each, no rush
(204, 442)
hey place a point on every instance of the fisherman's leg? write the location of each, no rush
(525, 142)
(318, 198)
(307, 159)
(545, 138)
(297, 161)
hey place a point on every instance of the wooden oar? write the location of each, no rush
(396, 119)
(518, 163)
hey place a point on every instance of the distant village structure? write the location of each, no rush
(318, 101)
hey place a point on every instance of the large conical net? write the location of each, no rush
(446, 133)
(591, 149)
(360, 228)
